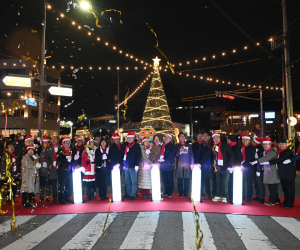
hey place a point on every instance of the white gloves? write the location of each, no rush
(136, 168)
(13, 160)
(196, 166)
(230, 170)
(287, 161)
(38, 165)
(264, 163)
(258, 174)
(117, 166)
(56, 150)
(44, 164)
(69, 158)
(34, 157)
(76, 157)
(242, 162)
(253, 162)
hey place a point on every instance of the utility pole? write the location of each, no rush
(42, 78)
(288, 80)
(262, 118)
(191, 129)
(283, 111)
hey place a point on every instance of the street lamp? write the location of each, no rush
(85, 5)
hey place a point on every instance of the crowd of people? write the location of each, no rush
(46, 168)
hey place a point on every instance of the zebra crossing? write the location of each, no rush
(149, 230)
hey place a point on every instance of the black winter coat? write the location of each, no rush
(259, 153)
(134, 156)
(237, 156)
(196, 150)
(206, 160)
(64, 167)
(169, 157)
(115, 155)
(285, 171)
(227, 156)
(76, 162)
(250, 156)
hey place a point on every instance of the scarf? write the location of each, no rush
(279, 151)
(298, 150)
(68, 154)
(162, 153)
(119, 146)
(208, 144)
(14, 160)
(244, 151)
(104, 152)
(54, 156)
(156, 145)
(220, 156)
(265, 152)
(78, 149)
(232, 143)
(199, 141)
(127, 149)
(182, 145)
(147, 150)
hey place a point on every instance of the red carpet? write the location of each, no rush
(175, 204)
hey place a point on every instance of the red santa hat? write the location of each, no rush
(45, 138)
(116, 136)
(216, 134)
(143, 139)
(169, 134)
(65, 139)
(30, 147)
(257, 140)
(245, 136)
(130, 134)
(89, 141)
(28, 138)
(80, 138)
(267, 140)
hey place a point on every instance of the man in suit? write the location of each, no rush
(248, 153)
(167, 159)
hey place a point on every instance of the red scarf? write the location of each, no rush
(199, 141)
(162, 153)
(220, 156)
(206, 144)
(68, 153)
(267, 151)
(279, 151)
(15, 163)
(156, 145)
(147, 147)
(78, 149)
(244, 151)
(182, 144)
(119, 146)
(104, 152)
(127, 149)
(54, 157)
(232, 143)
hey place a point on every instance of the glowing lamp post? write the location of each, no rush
(77, 189)
(116, 183)
(196, 183)
(237, 186)
(155, 183)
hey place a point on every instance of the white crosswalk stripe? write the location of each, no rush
(290, 224)
(189, 232)
(5, 226)
(33, 238)
(141, 234)
(88, 236)
(250, 234)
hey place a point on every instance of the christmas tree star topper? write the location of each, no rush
(156, 62)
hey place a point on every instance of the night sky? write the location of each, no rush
(186, 30)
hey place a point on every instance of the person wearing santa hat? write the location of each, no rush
(236, 160)
(44, 171)
(222, 161)
(205, 159)
(116, 152)
(30, 176)
(15, 170)
(52, 168)
(88, 161)
(184, 164)
(248, 153)
(258, 178)
(131, 161)
(64, 170)
(167, 160)
(270, 173)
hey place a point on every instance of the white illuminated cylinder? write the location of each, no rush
(196, 184)
(155, 183)
(77, 189)
(237, 186)
(116, 184)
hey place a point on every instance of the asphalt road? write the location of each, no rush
(150, 230)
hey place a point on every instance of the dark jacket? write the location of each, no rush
(78, 161)
(285, 171)
(50, 157)
(227, 156)
(250, 156)
(115, 155)
(196, 149)
(237, 156)
(134, 156)
(64, 167)
(44, 172)
(19, 151)
(206, 159)
(169, 158)
(100, 166)
(183, 169)
(259, 153)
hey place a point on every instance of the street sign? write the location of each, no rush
(228, 96)
(31, 102)
(61, 91)
(112, 121)
(17, 81)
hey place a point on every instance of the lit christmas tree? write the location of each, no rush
(157, 113)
